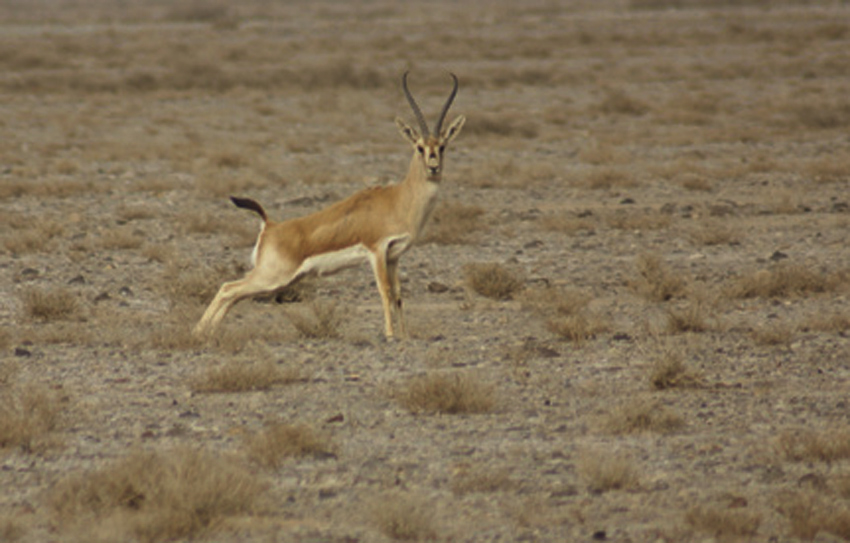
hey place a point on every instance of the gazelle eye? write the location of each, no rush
(420, 149)
(442, 149)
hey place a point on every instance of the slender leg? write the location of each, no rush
(230, 293)
(378, 260)
(392, 269)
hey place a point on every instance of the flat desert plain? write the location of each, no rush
(628, 314)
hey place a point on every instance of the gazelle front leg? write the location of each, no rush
(392, 272)
(378, 259)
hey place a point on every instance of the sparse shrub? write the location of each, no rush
(695, 182)
(805, 445)
(25, 241)
(642, 416)
(446, 393)
(322, 322)
(785, 280)
(453, 223)
(187, 284)
(655, 280)
(810, 513)
(279, 441)
(618, 102)
(566, 313)
(480, 479)
(724, 522)
(578, 327)
(691, 317)
(606, 178)
(603, 471)
(155, 496)
(121, 238)
(242, 376)
(403, 517)
(48, 305)
(669, 370)
(28, 413)
(492, 280)
(566, 224)
(836, 322)
(638, 220)
(775, 333)
(715, 232)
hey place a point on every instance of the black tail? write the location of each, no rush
(247, 203)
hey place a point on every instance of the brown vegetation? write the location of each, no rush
(155, 496)
(453, 393)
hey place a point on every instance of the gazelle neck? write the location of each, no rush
(417, 176)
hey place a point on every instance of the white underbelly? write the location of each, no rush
(328, 263)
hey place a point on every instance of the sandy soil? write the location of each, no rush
(713, 139)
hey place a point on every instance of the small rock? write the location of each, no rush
(20, 351)
(77, 280)
(103, 296)
(627, 201)
(125, 291)
(777, 256)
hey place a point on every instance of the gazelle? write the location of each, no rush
(378, 224)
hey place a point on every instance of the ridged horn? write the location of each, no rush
(438, 129)
(423, 126)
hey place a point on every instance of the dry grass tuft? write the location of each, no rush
(642, 416)
(691, 316)
(492, 280)
(454, 393)
(49, 305)
(617, 102)
(469, 480)
(776, 333)
(670, 371)
(121, 238)
(805, 445)
(606, 178)
(809, 514)
(184, 283)
(578, 327)
(276, 442)
(715, 232)
(322, 322)
(12, 528)
(603, 471)
(566, 224)
(155, 496)
(453, 223)
(786, 280)
(638, 220)
(566, 313)
(403, 517)
(834, 321)
(724, 522)
(28, 414)
(243, 376)
(655, 281)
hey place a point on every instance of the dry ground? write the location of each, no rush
(653, 193)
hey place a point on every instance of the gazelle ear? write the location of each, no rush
(410, 134)
(453, 130)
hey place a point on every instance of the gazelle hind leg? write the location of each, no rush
(229, 294)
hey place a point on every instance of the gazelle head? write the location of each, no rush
(430, 147)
